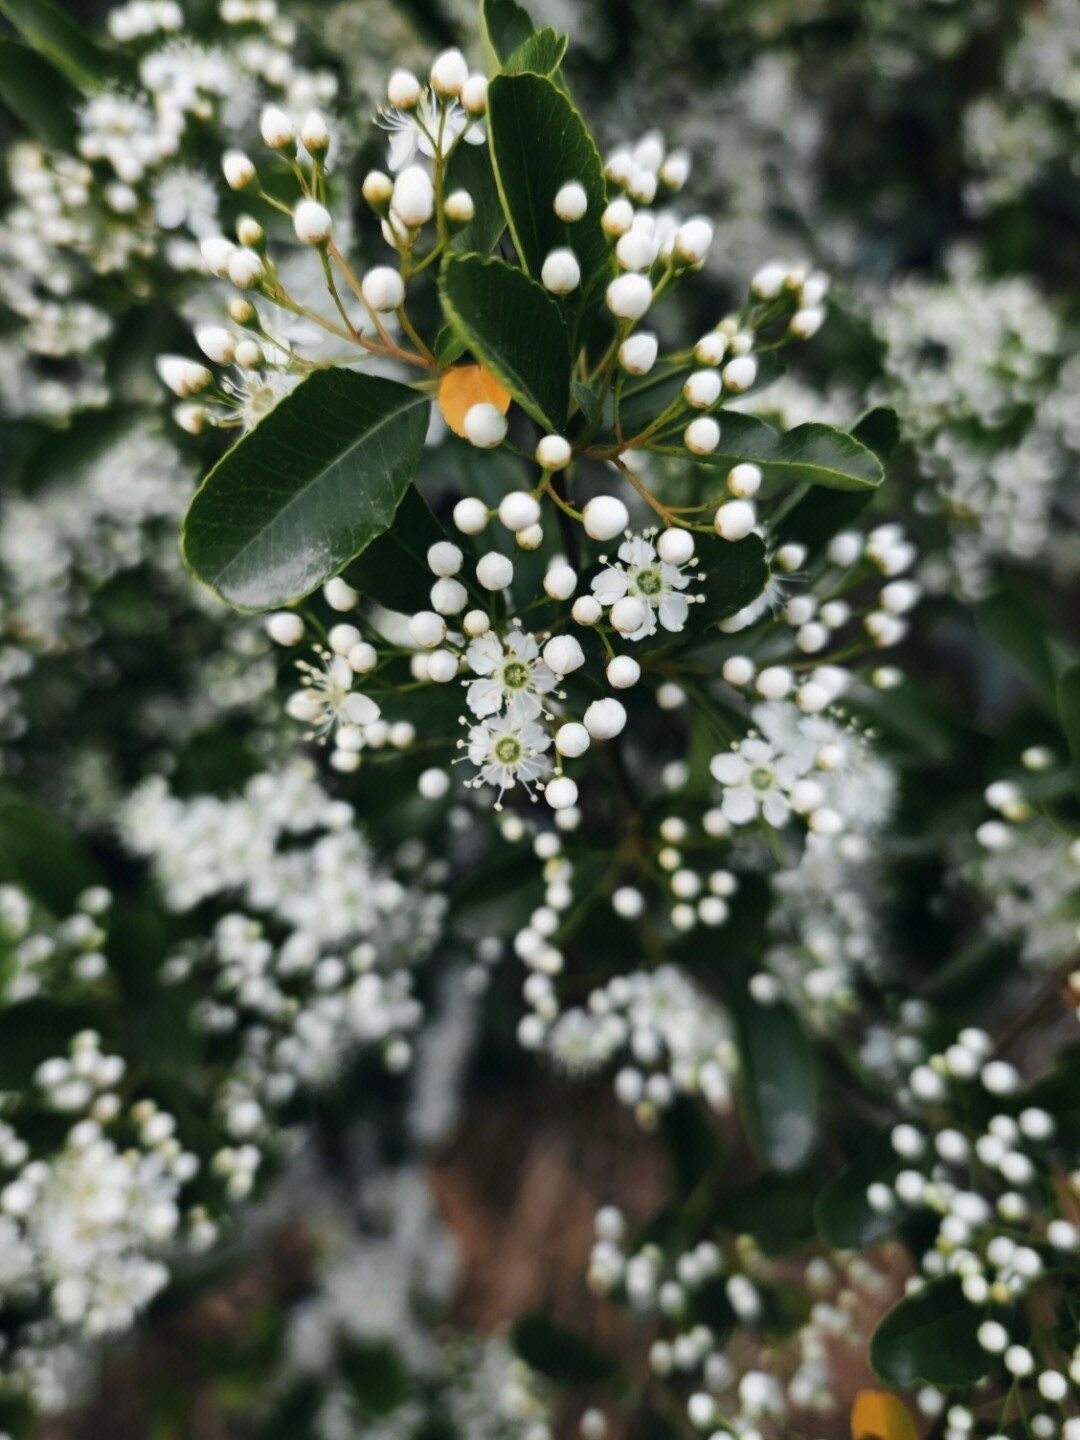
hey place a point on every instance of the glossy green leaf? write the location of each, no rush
(52, 32)
(819, 514)
(878, 430)
(539, 142)
(308, 490)
(37, 95)
(469, 168)
(506, 26)
(845, 1218)
(930, 1339)
(393, 570)
(779, 1089)
(540, 54)
(736, 572)
(809, 455)
(515, 328)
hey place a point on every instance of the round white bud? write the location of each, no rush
(604, 719)
(790, 557)
(433, 784)
(249, 232)
(485, 426)
(692, 240)
(702, 435)
(476, 623)
(586, 610)
(518, 510)
(183, 376)
(637, 353)
(675, 546)
(383, 289)
(459, 207)
(276, 128)
(443, 664)
(471, 515)
(449, 72)
(363, 658)
(571, 201)
(427, 629)
(767, 282)
(343, 638)
(403, 89)
(622, 672)
(560, 582)
(675, 171)
(340, 595)
(604, 517)
(245, 268)
(629, 296)
(738, 670)
(740, 373)
(637, 249)
(413, 198)
(774, 682)
(377, 188)
(216, 343)
(617, 217)
(315, 134)
(449, 597)
(561, 272)
(444, 558)
(735, 519)
(216, 251)
(805, 323)
(711, 348)
(628, 614)
(572, 739)
(531, 538)
(814, 289)
(285, 627)
(494, 571)
(561, 793)
(563, 654)
(702, 389)
(474, 94)
(239, 169)
(744, 480)
(553, 453)
(312, 222)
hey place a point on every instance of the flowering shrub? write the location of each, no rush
(554, 910)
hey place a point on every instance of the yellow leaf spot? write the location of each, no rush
(877, 1415)
(465, 386)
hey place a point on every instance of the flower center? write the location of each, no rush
(507, 749)
(515, 675)
(649, 582)
(761, 778)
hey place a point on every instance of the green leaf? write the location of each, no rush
(39, 852)
(37, 94)
(393, 570)
(515, 328)
(1009, 621)
(820, 514)
(930, 1339)
(560, 1353)
(736, 572)
(810, 454)
(49, 30)
(469, 168)
(539, 142)
(778, 1084)
(449, 345)
(308, 490)
(540, 54)
(506, 26)
(845, 1219)
(1068, 698)
(879, 431)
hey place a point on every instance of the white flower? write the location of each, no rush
(327, 698)
(509, 749)
(426, 127)
(757, 780)
(512, 674)
(644, 576)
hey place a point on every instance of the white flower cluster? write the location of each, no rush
(318, 962)
(1025, 866)
(42, 955)
(981, 1162)
(86, 1232)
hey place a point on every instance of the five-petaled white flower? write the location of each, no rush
(508, 749)
(430, 129)
(757, 779)
(643, 575)
(327, 697)
(511, 672)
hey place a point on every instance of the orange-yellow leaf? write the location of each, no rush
(465, 386)
(877, 1415)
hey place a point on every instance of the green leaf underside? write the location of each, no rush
(515, 328)
(506, 26)
(308, 490)
(37, 95)
(812, 454)
(539, 143)
(540, 54)
(52, 32)
(930, 1338)
(779, 1088)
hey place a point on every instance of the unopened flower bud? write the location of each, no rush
(238, 168)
